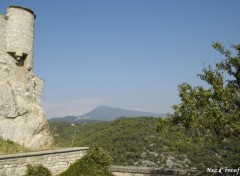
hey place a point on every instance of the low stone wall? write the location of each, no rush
(148, 171)
(56, 161)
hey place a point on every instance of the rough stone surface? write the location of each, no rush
(57, 161)
(22, 118)
(149, 171)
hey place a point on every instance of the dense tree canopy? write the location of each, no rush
(215, 109)
(134, 142)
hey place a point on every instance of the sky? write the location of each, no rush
(125, 53)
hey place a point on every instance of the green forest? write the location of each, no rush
(135, 141)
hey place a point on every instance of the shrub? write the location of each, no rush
(37, 170)
(7, 146)
(94, 163)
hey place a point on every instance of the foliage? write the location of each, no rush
(99, 156)
(163, 124)
(7, 146)
(216, 109)
(202, 150)
(207, 121)
(95, 163)
(135, 142)
(37, 170)
(122, 138)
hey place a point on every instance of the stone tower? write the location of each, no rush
(22, 118)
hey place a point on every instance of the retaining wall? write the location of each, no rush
(148, 171)
(56, 161)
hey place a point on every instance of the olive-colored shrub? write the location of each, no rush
(37, 170)
(94, 163)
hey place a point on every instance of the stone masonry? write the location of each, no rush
(22, 118)
(149, 171)
(57, 161)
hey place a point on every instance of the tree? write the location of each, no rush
(215, 109)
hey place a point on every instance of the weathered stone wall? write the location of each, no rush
(56, 161)
(2, 34)
(22, 119)
(20, 32)
(148, 171)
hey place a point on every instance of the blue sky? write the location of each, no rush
(125, 53)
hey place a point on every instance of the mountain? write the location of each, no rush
(105, 113)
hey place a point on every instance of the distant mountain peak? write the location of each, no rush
(106, 113)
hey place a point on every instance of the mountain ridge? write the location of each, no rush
(105, 113)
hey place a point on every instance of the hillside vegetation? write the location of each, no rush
(7, 147)
(134, 141)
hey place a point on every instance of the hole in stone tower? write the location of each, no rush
(19, 59)
(12, 54)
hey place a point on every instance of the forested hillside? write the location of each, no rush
(134, 141)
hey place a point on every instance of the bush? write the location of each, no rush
(37, 170)
(95, 163)
(7, 146)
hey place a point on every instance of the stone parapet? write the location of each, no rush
(148, 171)
(56, 161)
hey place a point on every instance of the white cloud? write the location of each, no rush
(70, 107)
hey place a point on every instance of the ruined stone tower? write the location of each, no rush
(22, 119)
